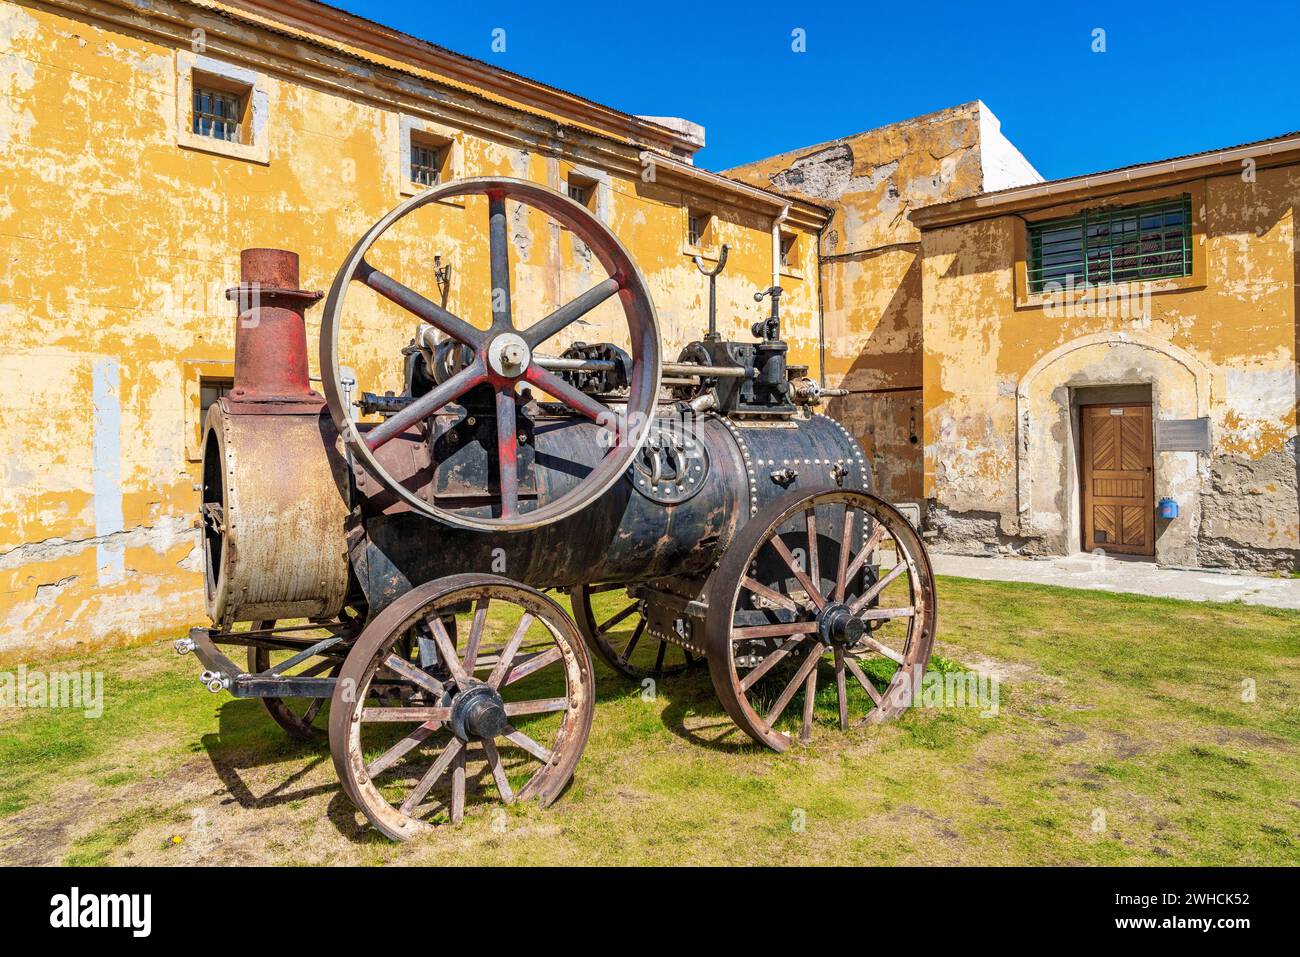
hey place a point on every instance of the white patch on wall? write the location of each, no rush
(1261, 395)
(1003, 165)
(107, 471)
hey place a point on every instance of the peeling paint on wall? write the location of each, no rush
(106, 475)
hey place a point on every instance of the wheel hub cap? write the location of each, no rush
(478, 712)
(508, 355)
(838, 625)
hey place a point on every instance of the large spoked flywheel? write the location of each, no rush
(504, 357)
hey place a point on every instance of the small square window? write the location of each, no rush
(218, 114)
(221, 108)
(789, 246)
(581, 189)
(426, 164)
(698, 223)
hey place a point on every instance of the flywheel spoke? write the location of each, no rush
(571, 311)
(507, 452)
(499, 256)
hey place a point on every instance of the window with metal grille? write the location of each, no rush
(426, 164)
(1105, 246)
(218, 114)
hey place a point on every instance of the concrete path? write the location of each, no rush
(1104, 573)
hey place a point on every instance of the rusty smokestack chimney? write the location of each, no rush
(271, 332)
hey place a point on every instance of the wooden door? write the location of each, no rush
(1117, 481)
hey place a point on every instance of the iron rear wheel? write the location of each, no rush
(834, 581)
(622, 639)
(424, 715)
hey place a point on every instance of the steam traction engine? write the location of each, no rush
(396, 570)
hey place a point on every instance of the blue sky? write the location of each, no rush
(1174, 78)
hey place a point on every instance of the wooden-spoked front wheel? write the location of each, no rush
(425, 718)
(821, 587)
(617, 631)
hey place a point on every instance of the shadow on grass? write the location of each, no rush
(247, 739)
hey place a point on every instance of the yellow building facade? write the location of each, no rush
(121, 230)
(911, 259)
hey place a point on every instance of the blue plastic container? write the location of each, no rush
(1167, 508)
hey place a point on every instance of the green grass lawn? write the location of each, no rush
(1122, 738)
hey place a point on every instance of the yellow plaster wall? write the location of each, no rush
(871, 268)
(118, 245)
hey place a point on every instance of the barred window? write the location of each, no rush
(218, 114)
(426, 165)
(1105, 246)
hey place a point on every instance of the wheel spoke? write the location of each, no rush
(476, 635)
(413, 302)
(841, 692)
(576, 400)
(498, 771)
(766, 665)
(570, 312)
(402, 748)
(659, 658)
(448, 650)
(499, 246)
(539, 706)
(404, 715)
(528, 744)
(884, 614)
(400, 666)
(809, 691)
(426, 405)
(779, 630)
(444, 760)
(507, 452)
(636, 636)
(507, 656)
(533, 663)
(885, 650)
(775, 597)
(842, 582)
(841, 571)
(863, 680)
(814, 592)
(313, 709)
(878, 587)
(809, 662)
(458, 788)
(602, 629)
